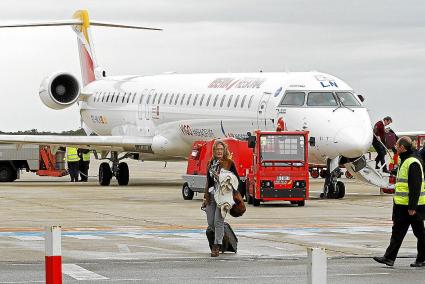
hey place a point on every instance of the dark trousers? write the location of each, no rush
(400, 228)
(73, 169)
(380, 151)
(84, 170)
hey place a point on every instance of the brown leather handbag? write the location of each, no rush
(238, 208)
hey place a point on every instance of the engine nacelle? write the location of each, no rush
(59, 90)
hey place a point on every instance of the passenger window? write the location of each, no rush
(250, 101)
(134, 97)
(236, 101)
(321, 99)
(243, 101)
(128, 97)
(103, 97)
(154, 98)
(181, 101)
(141, 99)
(215, 100)
(195, 99)
(118, 96)
(165, 98)
(293, 99)
(159, 99)
(123, 97)
(107, 98)
(202, 100)
(230, 100)
(177, 98)
(222, 100)
(149, 99)
(209, 99)
(347, 99)
(188, 99)
(171, 99)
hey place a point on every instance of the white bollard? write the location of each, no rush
(53, 256)
(317, 266)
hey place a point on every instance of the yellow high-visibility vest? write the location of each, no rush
(401, 196)
(86, 156)
(72, 154)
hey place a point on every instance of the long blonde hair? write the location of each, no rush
(226, 152)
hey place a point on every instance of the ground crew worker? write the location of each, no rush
(409, 204)
(72, 159)
(84, 163)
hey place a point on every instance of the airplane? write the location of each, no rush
(158, 117)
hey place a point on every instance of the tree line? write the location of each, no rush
(78, 132)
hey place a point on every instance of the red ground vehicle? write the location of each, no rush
(271, 165)
(280, 168)
(200, 156)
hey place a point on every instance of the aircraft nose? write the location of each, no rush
(353, 141)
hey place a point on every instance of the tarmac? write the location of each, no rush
(146, 232)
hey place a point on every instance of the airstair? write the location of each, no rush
(364, 170)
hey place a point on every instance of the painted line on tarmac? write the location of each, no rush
(29, 238)
(79, 273)
(18, 282)
(141, 233)
(361, 274)
(123, 248)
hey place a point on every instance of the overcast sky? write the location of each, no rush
(377, 47)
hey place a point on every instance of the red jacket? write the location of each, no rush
(379, 130)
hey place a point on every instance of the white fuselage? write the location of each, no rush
(176, 110)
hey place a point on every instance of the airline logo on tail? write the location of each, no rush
(85, 47)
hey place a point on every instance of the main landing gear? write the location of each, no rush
(118, 169)
(333, 189)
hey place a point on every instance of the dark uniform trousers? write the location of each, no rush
(380, 151)
(73, 170)
(84, 170)
(401, 222)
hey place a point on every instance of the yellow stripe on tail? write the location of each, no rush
(87, 57)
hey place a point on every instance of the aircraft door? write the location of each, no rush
(147, 107)
(264, 121)
(141, 106)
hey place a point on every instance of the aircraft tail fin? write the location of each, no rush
(81, 25)
(85, 47)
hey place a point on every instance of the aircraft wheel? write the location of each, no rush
(187, 192)
(340, 190)
(105, 174)
(7, 174)
(323, 173)
(123, 174)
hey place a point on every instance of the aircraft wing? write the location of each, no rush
(115, 143)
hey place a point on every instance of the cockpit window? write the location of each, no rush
(293, 99)
(321, 99)
(347, 99)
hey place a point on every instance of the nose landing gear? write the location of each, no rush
(333, 189)
(118, 169)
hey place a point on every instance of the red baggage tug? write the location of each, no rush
(273, 166)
